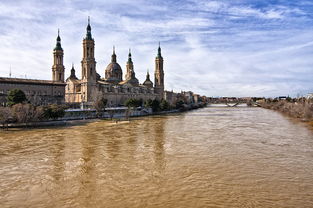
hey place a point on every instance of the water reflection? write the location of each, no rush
(159, 141)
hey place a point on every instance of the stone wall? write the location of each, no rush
(38, 92)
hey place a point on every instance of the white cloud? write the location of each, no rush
(211, 47)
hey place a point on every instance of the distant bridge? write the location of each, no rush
(234, 103)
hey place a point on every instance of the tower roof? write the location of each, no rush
(72, 76)
(159, 52)
(148, 82)
(58, 43)
(129, 57)
(88, 34)
(113, 58)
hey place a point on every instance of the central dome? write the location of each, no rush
(113, 72)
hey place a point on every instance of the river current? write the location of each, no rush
(212, 157)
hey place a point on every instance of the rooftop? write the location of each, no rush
(29, 81)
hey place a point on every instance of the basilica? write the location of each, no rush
(91, 86)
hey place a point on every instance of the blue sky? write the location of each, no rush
(215, 48)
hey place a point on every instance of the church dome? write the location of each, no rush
(113, 72)
(148, 82)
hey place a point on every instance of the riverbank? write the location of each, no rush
(89, 117)
(300, 109)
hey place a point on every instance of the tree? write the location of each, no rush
(100, 104)
(16, 96)
(155, 105)
(132, 102)
(24, 113)
(54, 111)
(179, 104)
(148, 103)
(5, 115)
(164, 105)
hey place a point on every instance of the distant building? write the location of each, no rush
(39, 92)
(90, 87)
(112, 87)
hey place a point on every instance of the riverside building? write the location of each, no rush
(90, 87)
(112, 86)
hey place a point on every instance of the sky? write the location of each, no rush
(211, 47)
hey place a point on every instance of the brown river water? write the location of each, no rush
(212, 157)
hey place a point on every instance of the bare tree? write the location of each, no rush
(24, 113)
(5, 116)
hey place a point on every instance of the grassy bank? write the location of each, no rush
(297, 108)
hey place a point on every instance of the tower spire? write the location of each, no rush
(73, 72)
(58, 43)
(88, 34)
(159, 51)
(113, 59)
(129, 57)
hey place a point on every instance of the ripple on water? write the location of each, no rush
(211, 157)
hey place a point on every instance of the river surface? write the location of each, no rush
(212, 157)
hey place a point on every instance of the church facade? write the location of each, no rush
(112, 86)
(90, 87)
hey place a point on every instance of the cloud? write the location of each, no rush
(216, 48)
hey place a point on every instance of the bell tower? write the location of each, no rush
(58, 67)
(88, 62)
(89, 74)
(159, 74)
(129, 67)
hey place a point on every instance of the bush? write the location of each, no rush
(6, 115)
(53, 111)
(24, 113)
(155, 105)
(148, 103)
(16, 96)
(179, 104)
(100, 104)
(164, 105)
(131, 102)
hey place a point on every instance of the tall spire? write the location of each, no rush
(58, 44)
(113, 60)
(73, 72)
(129, 57)
(88, 35)
(159, 51)
(148, 82)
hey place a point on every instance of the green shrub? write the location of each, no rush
(16, 96)
(132, 102)
(53, 111)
